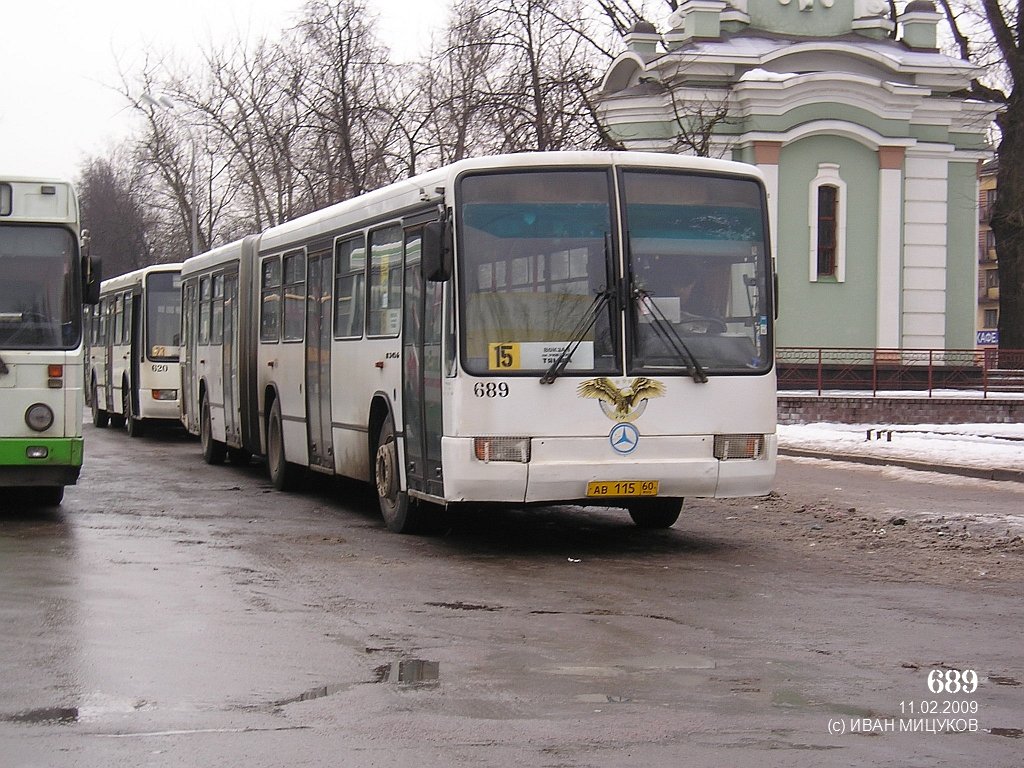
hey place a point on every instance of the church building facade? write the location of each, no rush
(870, 151)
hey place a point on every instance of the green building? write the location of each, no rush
(869, 148)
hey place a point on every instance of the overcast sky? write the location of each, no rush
(58, 94)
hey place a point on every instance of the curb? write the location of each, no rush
(981, 473)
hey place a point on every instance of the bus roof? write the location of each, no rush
(135, 277)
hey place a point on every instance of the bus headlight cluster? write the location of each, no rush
(502, 449)
(39, 417)
(739, 447)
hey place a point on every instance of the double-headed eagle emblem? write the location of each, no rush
(625, 403)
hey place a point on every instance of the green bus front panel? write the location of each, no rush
(60, 466)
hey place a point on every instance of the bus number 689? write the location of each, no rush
(490, 389)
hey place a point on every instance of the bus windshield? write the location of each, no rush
(535, 248)
(39, 288)
(163, 320)
(699, 271)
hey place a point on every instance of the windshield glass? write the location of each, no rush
(534, 258)
(699, 270)
(163, 320)
(39, 288)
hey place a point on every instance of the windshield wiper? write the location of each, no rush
(583, 326)
(669, 335)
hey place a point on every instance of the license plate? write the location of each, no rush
(607, 488)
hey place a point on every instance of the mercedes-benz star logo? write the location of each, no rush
(624, 438)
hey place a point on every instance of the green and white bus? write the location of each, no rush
(45, 277)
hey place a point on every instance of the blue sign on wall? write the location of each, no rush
(988, 337)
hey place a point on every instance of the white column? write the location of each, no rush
(925, 249)
(890, 239)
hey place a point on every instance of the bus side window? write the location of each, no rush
(126, 328)
(118, 319)
(217, 311)
(294, 295)
(349, 281)
(270, 299)
(205, 294)
(385, 302)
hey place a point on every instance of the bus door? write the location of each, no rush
(319, 278)
(232, 428)
(422, 364)
(189, 387)
(137, 346)
(115, 318)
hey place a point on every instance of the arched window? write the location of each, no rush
(827, 225)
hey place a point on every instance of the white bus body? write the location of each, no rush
(44, 278)
(134, 342)
(319, 343)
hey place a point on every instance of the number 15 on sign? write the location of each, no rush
(503, 356)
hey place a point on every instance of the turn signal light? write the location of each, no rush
(502, 449)
(55, 376)
(739, 447)
(165, 394)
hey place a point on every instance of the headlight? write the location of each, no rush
(39, 417)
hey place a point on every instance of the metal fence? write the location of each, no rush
(986, 372)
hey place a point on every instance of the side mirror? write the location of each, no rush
(438, 252)
(92, 271)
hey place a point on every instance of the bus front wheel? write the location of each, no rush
(283, 474)
(133, 423)
(655, 513)
(100, 417)
(400, 513)
(213, 450)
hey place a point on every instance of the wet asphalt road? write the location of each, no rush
(175, 614)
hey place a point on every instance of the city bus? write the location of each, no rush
(134, 340)
(45, 276)
(510, 330)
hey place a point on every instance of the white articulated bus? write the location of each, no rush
(45, 276)
(134, 342)
(582, 327)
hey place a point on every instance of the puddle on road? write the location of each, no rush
(44, 715)
(1003, 680)
(409, 672)
(314, 693)
(1012, 733)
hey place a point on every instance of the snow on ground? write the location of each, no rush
(973, 445)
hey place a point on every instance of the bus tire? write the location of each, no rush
(100, 418)
(134, 425)
(401, 514)
(213, 450)
(283, 474)
(655, 513)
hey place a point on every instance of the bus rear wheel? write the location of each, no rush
(655, 513)
(213, 450)
(100, 417)
(283, 474)
(401, 514)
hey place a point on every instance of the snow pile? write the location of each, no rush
(969, 445)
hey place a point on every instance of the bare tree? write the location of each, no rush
(347, 102)
(114, 214)
(1000, 48)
